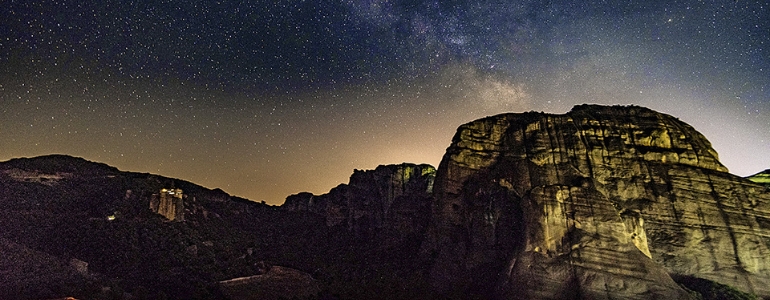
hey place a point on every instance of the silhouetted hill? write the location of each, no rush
(68, 208)
(58, 163)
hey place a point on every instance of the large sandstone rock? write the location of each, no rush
(392, 196)
(599, 203)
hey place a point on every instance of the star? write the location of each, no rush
(270, 99)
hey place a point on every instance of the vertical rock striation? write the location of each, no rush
(392, 196)
(599, 203)
(168, 203)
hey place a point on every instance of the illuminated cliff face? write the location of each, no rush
(607, 199)
(169, 203)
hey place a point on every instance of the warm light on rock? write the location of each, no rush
(599, 202)
(169, 203)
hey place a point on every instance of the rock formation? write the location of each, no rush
(762, 178)
(391, 196)
(599, 203)
(169, 203)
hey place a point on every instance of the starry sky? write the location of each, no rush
(269, 98)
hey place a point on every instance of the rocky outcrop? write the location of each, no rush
(392, 196)
(762, 178)
(169, 203)
(599, 203)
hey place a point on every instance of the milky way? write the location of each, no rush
(268, 98)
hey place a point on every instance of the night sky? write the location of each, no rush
(269, 98)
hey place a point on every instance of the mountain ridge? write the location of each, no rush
(102, 217)
(618, 202)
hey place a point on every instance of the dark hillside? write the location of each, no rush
(68, 208)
